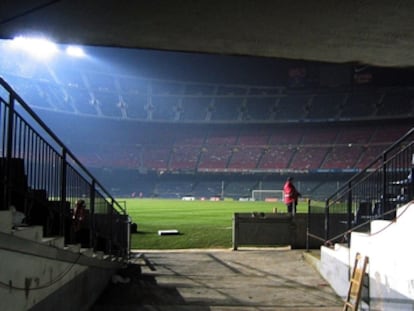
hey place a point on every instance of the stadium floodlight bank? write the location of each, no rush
(267, 195)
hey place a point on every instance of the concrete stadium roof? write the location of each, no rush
(374, 32)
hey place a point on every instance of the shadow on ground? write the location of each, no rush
(219, 280)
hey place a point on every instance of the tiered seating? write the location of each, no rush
(126, 156)
(109, 104)
(342, 157)
(325, 106)
(91, 159)
(286, 136)
(326, 189)
(291, 107)
(54, 95)
(257, 136)
(227, 148)
(173, 189)
(355, 135)
(257, 90)
(222, 136)
(276, 157)
(245, 157)
(389, 134)
(397, 103)
(136, 106)
(207, 189)
(271, 185)
(133, 85)
(184, 157)
(160, 87)
(214, 157)
(369, 154)
(226, 108)
(70, 78)
(319, 136)
(259, 108)
(81, 100)
(30, 92)
(306, 187)
(199, 89)
(164, 108)
(308, 158)
(189, 101)
(231, 90)
(194, 108)
(99, 82)
(360, 105)
(156, 157)
(237, 189)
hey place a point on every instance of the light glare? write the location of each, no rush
(38, 47)
(75, 51)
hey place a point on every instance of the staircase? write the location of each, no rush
(43, 263)
(39, 269)
(390, 273)
(372, 194)
(42, 179)
(372, 214)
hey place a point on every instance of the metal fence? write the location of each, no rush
(41, 178)
(374, 193)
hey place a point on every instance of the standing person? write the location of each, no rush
(78, 219)
(291, 196)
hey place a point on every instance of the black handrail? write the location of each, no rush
(43, 163)
(365, 170)
(373, 193)
(55, 138)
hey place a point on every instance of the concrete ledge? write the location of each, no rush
(58, 241)
(6, 220)
(12, 243)
(313, 258)
(33, 233)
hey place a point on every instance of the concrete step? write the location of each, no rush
(6, 221)
(33, 233)
(88, 252)
(100, 255)
(379, 225)
(405, 210)
(75, 248)
(313, 258)
(58, 241)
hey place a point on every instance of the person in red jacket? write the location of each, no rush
(291, 196)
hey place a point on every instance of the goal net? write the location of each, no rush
(267, 195)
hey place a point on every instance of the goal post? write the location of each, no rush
(267, 195)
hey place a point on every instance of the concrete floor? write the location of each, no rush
(201, 280)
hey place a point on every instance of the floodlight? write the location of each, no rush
(38, 47)
(75, 51)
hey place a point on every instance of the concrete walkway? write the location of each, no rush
(201, 280)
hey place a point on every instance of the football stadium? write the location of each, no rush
(129, 163)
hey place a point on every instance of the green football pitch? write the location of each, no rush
(201, 224)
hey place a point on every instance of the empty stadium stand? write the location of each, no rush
(165, 126)
(200, 148)
(128, 97)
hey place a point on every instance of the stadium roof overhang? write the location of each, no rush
(375, 32)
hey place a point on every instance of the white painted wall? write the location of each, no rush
(39, 275)
(389, 247)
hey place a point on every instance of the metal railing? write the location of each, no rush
(374, 193)
(43, 179)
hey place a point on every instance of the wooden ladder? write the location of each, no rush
(356, 283)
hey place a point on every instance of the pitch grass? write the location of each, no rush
(202, 224)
